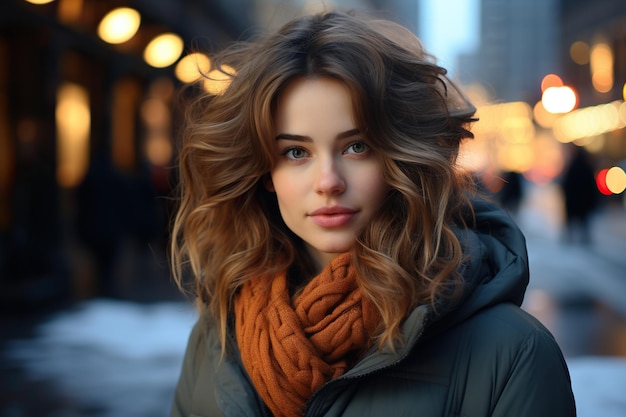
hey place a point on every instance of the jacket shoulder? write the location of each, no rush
(500, 362)
(508, 363)
(211, 383)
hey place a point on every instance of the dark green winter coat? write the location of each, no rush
(483, 356)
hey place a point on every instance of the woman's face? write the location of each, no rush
(328, 181)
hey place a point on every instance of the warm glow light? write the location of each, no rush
(70, 11)
(559, 99)
(594, 145)
(602, 67)
(126, 96)
(543, 117)
(590, 121)
(517, 158)
(159, 150)
(548, 158)
(163, 50)
(39, 1)
(579, 52)
(191, 67)
(616, 180)
(517, 129)
(504, 139)
(218, 81)
(551, 80)
(156, 115)
(602, 82)
(73, 120)
(624, 92)
(621, 112)
(119, 25)
(154, 112)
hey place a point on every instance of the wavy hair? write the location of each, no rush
(228, 228)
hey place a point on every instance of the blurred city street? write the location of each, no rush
(577, 290)
(110, 358)
(90, 321)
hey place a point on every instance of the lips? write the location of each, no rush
(330, 217)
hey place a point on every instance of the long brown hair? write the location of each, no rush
(228, 227)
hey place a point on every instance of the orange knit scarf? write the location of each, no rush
(291, 350)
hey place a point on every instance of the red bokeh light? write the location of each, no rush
(601, 182)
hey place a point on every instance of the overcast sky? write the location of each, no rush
(449, 27)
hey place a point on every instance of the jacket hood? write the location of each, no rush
(497, 267)
(496, 271)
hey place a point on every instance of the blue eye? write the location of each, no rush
(295, 153)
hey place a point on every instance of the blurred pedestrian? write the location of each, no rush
(511, 193)
(580, 196)
(102, 219)
(340, 264)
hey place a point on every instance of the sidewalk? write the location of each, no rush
(578, 291)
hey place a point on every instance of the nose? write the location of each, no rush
(330, 180)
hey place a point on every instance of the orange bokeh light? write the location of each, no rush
(551, 80)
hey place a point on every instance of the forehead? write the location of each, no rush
(307, 103)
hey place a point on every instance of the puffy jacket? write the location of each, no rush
(482, 356)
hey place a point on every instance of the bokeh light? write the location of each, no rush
(39, 1)
(601, 182)
(163, 50)
(559, 99)
(218, 81)
(590, 121)
(551, 80)
(73, 119)
(506, 140)
(616, 180)
(579, 52)
(192, 66)
(159, 149)
(119, 25)
(602, 67)
(543, 117)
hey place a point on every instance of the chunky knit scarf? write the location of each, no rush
(291, 349)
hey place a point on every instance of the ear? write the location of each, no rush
(267, 182)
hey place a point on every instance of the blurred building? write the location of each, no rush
(549, 73)
(593, 45)
(593, 59)
(74, 106)
(518, 46)
(88, 121)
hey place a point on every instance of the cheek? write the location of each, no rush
(372, 184)
(380, 191)
(284, 186)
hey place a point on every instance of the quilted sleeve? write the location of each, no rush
(538, 383)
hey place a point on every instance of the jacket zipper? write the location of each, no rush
(344, 380)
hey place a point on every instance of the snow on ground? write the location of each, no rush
(599, 384)
(120, 357)
(124, 358)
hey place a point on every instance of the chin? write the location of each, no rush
(335, 250)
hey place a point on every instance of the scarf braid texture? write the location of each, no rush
(290, 349)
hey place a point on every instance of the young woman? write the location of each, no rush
(341, 265)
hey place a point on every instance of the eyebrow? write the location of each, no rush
(302, 138)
